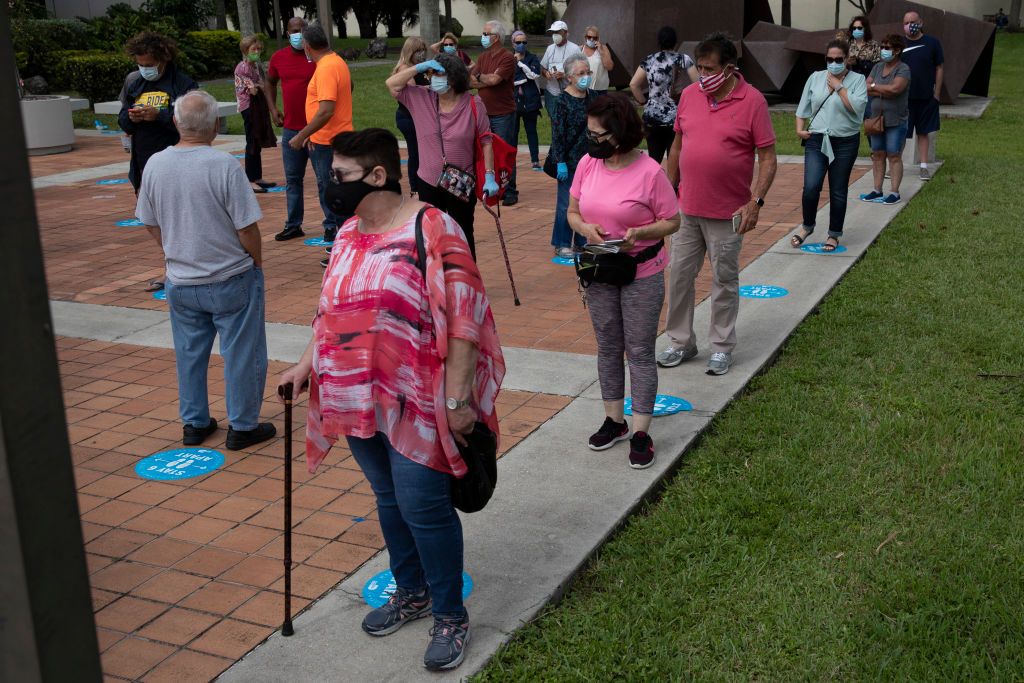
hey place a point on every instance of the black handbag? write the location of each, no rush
(617, 269)
(472, 492)
(550, 167)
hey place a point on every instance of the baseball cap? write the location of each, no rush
(558, 26)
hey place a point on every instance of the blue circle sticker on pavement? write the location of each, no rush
(112, 181)
(278, 188)
(238, 156)
(763, 291)
(663, 405)
(563, 261)
(181, 463)
(378, 589)
(316, 242)
(160, 295)
(819, 248)
(129, 223)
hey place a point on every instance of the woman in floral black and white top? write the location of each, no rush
(658, 72)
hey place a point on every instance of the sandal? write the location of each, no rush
(797, 240)
(830, 244)
(154, 286)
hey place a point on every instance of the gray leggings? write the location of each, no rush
(625, 320)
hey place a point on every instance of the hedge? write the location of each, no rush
(97, 76)
(37, 38)
(213, 53)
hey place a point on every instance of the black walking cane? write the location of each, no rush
(285, 391)
(504, 251)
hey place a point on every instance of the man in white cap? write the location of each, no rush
(560, 49)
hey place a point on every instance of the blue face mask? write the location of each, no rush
(520, 47)
(886, 55)
(150, 73)
(485, 41)
(583, 82)
(835, 69)
(439, 84)
(295, 40)
(450, 49)
(858, 33)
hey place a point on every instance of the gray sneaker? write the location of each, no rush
(401, 608)
(564, 252)
(925, 173)
(672, 356)
(719, 363)
(448, 640)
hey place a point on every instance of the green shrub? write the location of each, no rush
(533, 19)
(97, 76)
(189, 15)
(37, 38)
(122, 22)
(21, 61)
(213, 53)
(452, 25)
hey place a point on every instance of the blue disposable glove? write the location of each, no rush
(428, 65)
(563, 171)
(490, 185)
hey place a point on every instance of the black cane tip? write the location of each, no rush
(286, 629)
(517, 302)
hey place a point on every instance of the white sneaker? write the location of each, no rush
(564, 252)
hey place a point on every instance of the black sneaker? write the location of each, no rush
(238, 440)
(289, 233)
(325, 262)
(448, 640)
(328, 249)
(610, 433)
(193, 436)
(510, 200)
(401, 608)
(329, 234)
(641, 451)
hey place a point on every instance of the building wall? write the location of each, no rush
(470, 15)
(815, 15)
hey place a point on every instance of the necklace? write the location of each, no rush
(389, 224)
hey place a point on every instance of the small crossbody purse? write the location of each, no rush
(456, 181)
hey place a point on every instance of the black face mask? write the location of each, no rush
(600, 150)
(343, 198)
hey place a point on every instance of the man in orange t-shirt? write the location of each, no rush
(328, 112)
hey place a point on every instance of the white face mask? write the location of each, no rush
(592, 44)
(556, 38)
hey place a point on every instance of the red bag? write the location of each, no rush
(504, 163)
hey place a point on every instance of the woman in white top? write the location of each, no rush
(600, 58)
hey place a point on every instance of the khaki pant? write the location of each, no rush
(695, 237)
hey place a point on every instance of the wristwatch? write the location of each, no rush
(759, 201)
(455, 404)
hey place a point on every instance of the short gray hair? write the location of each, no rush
(196, 112)
(499, 28)
(315, 37)
(576, 58)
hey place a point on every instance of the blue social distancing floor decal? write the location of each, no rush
(378, 589)
(818, 248)
(160, 295)
(239, 156)
(129, 223)
(316, 242)
(113, 181)
(663, 405)
(563, 261)
(763, 291)
(279, 188)
(181, 463)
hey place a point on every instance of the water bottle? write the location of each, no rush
(126, 142)
(100, 126)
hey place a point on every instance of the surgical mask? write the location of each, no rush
(835, 69)
(439, 84)
(419, 56)
(600, 150)
(485, 41)
(592, 44)
(711, 84)
(556, 38)
(344, 198)
(295, 40)
(150, 73)
(583, 82)
(912, 28)
(858, 33)
(886, 55)
(450, 49)
(253, 56)
(520, 47)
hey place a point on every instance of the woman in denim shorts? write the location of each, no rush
(889, 89)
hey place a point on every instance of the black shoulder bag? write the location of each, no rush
(472, 492)
(612, 269)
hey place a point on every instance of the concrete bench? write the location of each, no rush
(79, 103)
(224, 110)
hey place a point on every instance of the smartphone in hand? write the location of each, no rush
(737, 220)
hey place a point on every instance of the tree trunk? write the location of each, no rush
(787, 12)
(447, 13)
(1015, 14)
(247, 17)
(515, 15)
(548, 14)
(326, 18)
(430, 22)
(367, 20)
(221, 11)
(394, 22)
(837, 14)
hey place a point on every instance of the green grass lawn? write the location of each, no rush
(856, 514)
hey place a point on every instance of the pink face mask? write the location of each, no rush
(710, 84)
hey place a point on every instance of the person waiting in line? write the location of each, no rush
(828, 120)
(923, 54)
(660, 72)
(620, 193)
(722, 123)
(414, 51)
(528, 99)
(568, 145)
(290, 67)
(889, 90)
(250, 76)
(600, 59)
(449, 45)
(328, 112)
(492, 76)
(147, 104)
(446, 130)
(197, 205)
(553, 64)
(401, 420)
(864, 49)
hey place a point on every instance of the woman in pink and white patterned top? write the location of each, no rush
(259, 131)
(402, 365)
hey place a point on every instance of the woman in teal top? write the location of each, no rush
(828, 120)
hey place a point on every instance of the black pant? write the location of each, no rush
(461, 211)
(659, 140)
(403, 119)
(253, 160)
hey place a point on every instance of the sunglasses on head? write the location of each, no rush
(835, 60)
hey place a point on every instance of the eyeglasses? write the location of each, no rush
(855, 26)
(338, 174)
(596, 137)
(591, 37)
(449, 45)
(835, 60)
(485, 33)
(520, 42)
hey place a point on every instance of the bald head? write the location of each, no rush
(296, 24)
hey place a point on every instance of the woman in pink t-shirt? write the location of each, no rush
(621, 193)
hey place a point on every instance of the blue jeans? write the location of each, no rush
(816, 166)
(549, 104)
(562, 235)
(421, 528)
(294, 172)
(529, 121)
(504, 127)
(322, 157)
(234, 310)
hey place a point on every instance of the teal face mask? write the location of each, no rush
(150, 73)
(439, 84)
(450, 49)
(485, 41)
(836, 69)
(886, 55)
(858, 33)
(583, 82)
(295, 40)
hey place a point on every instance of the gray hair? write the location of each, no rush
(315, 37)
(576, 58)
(196, 112)
(497, 27)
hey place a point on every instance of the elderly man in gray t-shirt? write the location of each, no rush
(199, 207)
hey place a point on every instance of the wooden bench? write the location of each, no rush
(224, 110)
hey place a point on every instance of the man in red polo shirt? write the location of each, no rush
(293, 70)
(721, 122)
